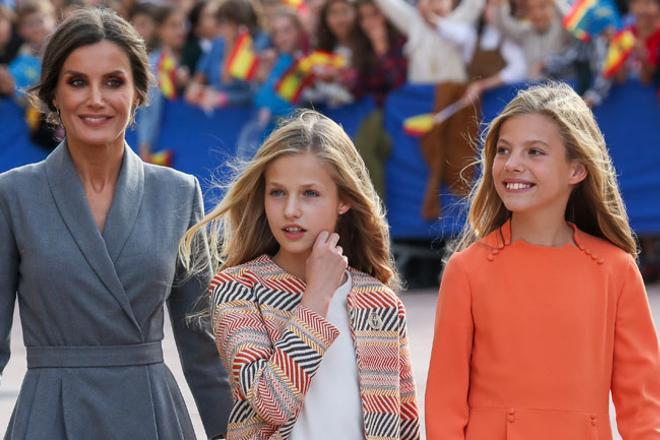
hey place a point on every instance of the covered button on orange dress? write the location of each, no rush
(529, 341)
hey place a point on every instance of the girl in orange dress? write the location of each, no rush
(542, 311)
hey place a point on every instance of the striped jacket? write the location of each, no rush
(272, 347)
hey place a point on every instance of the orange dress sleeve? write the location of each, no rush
(448, 382)
(636, 364)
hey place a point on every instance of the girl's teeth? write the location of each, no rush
(516, 186)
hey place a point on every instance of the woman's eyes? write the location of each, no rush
(112, 83)
(306, 193)
(502, 151)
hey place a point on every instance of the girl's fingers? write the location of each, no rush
(340, 250)
(333, 240)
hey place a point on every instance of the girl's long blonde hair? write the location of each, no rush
(595, 205)
(237, 228)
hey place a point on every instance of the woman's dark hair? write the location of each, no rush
(365, 49)
(82, 28)
(358, 42)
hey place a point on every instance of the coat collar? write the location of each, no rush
(100, 251)
(500, 238)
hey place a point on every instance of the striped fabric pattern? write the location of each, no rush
(272, 347)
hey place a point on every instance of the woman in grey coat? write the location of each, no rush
(88, 245)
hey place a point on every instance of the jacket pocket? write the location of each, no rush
(526, 424)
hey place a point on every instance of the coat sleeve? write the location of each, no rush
(201, 364)
(271, 376)
(402, 15)
(8, 285)
(636, 365)
(448, 380)
(409, 410)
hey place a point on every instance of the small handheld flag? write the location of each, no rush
(242, 62)
(618, 52)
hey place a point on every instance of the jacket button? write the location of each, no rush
(490, 257)
(593, 420)
(511, 416)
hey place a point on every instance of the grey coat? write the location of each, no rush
(91, 305)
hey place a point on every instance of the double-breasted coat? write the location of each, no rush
(91, 305)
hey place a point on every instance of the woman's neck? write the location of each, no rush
(554, 232)
(97, 166)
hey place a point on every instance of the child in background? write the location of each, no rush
(287, 34)
(384, 70)
(171, 78)
(203, 30)
(542, 310)
(10, 43)
(540, 33)
(212, 86)
(305, 289)
(36, 20)
(143, 19)
(337, 33)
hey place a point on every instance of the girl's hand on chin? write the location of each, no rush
(324, 272)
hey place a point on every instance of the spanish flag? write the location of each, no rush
(294, 4)
(419, 125)
(292, 83)
(163, 157)
(166, 74)
(243, 61)
(620, 48)
(320, 58)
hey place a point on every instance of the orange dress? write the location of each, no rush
(529, 341)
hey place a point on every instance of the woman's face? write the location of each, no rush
(5, 31)
(340, 19)
(370, 18)
(172, 32)
(96, 95)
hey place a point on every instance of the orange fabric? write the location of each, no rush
(529, 340)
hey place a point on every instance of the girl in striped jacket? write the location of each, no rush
(303, 307)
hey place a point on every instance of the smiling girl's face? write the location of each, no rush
(531, 170)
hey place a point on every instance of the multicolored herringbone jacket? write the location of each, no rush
(272, 347)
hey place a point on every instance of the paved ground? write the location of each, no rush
(420, 304)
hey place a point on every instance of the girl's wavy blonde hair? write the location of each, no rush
(237, 228)
(595, 205)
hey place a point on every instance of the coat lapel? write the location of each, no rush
(71, 201)
(125, 204)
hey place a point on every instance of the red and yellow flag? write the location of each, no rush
(292, 83)
(243, 61)
(294, 4)
(163, 157)
(166, 74)
(320, 58)
(621, 46)
(419, 125)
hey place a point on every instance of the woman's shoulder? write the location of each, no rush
(16, 181)
(247, 273)
(168, 177)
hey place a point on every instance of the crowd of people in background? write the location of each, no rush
(223, 53)
(281, 54)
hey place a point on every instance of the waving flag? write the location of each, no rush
(320, 58)
(243, 61)
(591, 17)
(618, 51)
(166, 74)
(292, 83)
